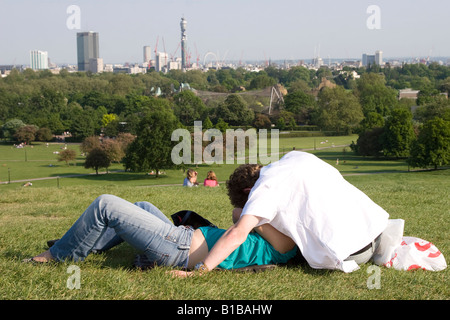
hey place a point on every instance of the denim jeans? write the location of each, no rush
(109, 220)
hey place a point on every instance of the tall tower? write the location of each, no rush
(87, 48)
(183, 24)
(147, 55)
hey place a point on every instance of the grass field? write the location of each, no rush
(29, 216)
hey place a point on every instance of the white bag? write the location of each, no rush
(390, 239)
(406, 253)
(415, 253)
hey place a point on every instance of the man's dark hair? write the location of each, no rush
(240, 183)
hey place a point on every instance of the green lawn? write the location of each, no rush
(40, 161)
(31, 215)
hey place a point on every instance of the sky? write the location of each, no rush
(231, 29)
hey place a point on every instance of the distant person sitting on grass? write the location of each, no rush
(191, 178)
(110, 220)
(211, 180)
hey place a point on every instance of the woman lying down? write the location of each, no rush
(110, 220)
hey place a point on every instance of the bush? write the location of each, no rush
(67, 155)
(44, 134)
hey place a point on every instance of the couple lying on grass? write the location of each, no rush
(297, 205)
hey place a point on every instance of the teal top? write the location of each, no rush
(254, 251)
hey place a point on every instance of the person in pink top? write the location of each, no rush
(211, 180)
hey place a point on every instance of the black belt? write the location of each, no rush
(366, 252)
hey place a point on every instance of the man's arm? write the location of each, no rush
(278, 240)
(230, 240)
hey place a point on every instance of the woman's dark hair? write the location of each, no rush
(240, 183)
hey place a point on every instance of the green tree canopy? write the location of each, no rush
(151, 150)
(10, 127)
(234, 110)
(432, 146)
(398, 133)
(338, 110)
(374, 95)
(96, 159)
(188, 107)
(301, 104)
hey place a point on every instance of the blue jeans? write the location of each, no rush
(110, 220)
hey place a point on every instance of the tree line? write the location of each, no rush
(36, 105)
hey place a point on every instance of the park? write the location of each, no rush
(59, 192)
(394, 150)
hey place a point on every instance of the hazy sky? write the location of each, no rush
(232, 29)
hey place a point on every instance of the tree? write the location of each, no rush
(97, 158)
(438, 106)
(374, 95)
(338, 110)
(44, 134)
(262, 81)
(107, 118)
(90, 143)
(369, 142)
(82, 126)
(113, 149)
(125, 139)
(286, 120)
(9, 128)
(221, 125)
(432, 146)
(234, 110)
(67, 155)
(301, 104)
(371, 121)
(207, 124)
(26, 134)
(398, 134)
(297, 73)
(262, 122)
(151, 150)
(188, 107)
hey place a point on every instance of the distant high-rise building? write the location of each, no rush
(183, 24)
(368, 59)
(379, 57)
(162, 59)
(147, 54)
(38, 60)
(96, 65)
(87, 49)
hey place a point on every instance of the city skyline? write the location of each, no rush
(234, 31)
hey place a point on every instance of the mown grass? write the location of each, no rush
(30, 216)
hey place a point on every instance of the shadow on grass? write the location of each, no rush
(114, 176)
(360, 160)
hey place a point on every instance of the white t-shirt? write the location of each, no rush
(309, 201)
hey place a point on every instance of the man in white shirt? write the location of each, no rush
(309, 201)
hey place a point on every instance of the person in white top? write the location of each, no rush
(307, 200)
